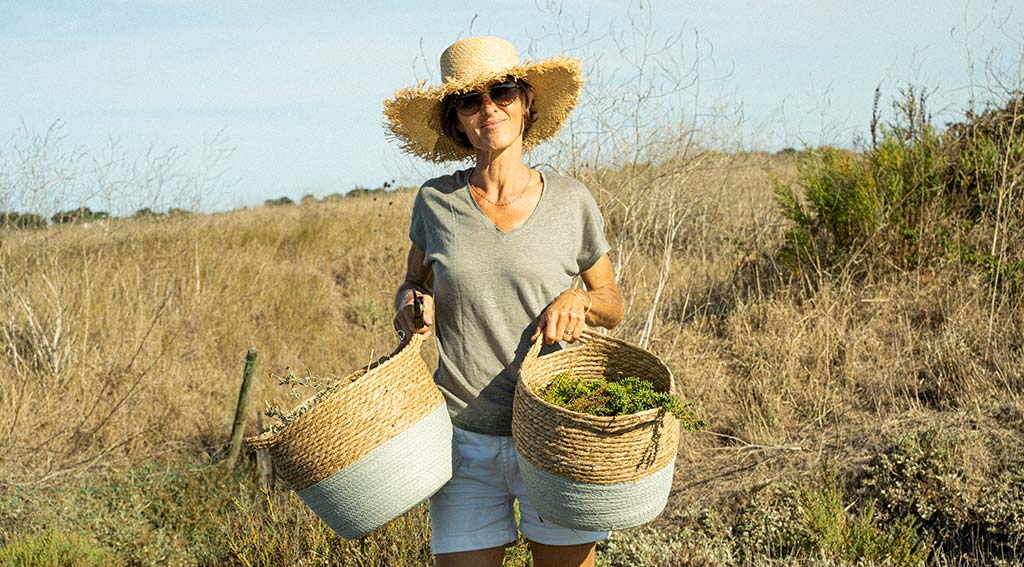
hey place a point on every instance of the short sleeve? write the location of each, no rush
(418, 225)
(594, 244)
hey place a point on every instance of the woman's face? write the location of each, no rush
(494, 127)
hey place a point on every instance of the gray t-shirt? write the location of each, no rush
(490, 287)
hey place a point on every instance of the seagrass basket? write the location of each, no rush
(594, 472)
(371, 450)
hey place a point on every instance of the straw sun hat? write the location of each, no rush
(414, 114)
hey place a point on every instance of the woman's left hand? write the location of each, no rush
(563, 319)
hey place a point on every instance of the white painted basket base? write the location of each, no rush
(389, 481)
(596, 507)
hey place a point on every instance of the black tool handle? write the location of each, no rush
(417, 310)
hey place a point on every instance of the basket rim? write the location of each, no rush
(591, 337)
(610, 419)
(269, 438)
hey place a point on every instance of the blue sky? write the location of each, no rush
(296, 88)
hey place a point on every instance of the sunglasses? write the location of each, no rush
(502, 94)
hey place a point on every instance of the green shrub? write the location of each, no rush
(1006, 274)
(81, 214)
(986, 154)
(201, 516)
(152, 516)
(13, 219)
(786, 520)
(971, 500)
(279, 202)
(913, 196)
(54, 549)
(269, 529)
(147, 213)
(845, 206)
(645, 547)
(770, 525)
(860, 536)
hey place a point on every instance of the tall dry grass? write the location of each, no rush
(873, 420)
(123, 341)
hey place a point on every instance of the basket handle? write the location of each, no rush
(415, 341)
(586, 336)
(264, 441)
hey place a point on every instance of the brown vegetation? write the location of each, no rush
(121, 346)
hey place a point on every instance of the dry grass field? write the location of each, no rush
(871, 420)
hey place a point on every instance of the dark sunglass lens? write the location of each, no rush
(504, 93)
(468, 103)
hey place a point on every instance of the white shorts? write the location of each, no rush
(474, 509)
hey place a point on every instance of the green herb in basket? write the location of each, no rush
(621, 397)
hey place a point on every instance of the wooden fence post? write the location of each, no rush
(242, 408)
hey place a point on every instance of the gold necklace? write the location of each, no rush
(522, 192)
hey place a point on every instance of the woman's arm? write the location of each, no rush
(599, 306)
(418, 278)
(606, 310)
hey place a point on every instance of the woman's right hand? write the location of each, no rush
(404, 321)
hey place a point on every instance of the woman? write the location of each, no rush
(494, 252)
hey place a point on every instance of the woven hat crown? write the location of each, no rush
(469, 59)
(414, 115)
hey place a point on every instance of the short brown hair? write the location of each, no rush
(450, 119)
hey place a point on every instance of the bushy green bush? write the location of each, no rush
(267, 529)
(202, 516)
(147, 213)
(153, 516)
(788, 520)
(648, 547)
(770, 525)
(81, 214)
(52, 548)
(916, 195)
(14, 219)
(985, 154)
(970, 499)
(279, 202)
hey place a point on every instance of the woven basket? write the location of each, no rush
(594, 472)
(370, 451)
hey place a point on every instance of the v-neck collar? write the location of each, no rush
(522, 226)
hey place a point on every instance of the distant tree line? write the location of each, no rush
(18, 220)
(357, 191)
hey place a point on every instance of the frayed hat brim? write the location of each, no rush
(413, 116)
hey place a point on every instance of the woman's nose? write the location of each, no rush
(487, 102)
